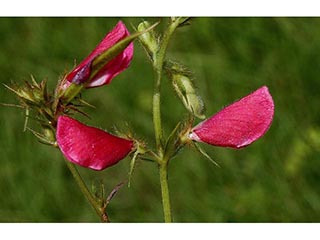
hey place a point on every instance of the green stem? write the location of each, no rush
(157, 118)
(84, 189)
(165, 192)
(158, 63)
(158, 67)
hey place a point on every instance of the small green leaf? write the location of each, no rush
(172, 146)
(201, 151)
(140, 151)
(43, 139)
(34, 82)
(85, 103)
(132, 165)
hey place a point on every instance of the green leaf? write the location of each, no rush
(140, 151)
(203, 153)
(132, 165)
(43, 139)
(171, 146)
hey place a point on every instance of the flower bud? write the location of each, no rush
(90, 147)
(112, 56)
(148, 39)
(187, 93)
(104, 62)
(239, 124)
(32, 94)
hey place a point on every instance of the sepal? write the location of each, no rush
(148, 39)
(140, 151)
(31, 94)
(183, 86)
(204, 153)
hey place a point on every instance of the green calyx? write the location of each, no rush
(148, 39)
(99, 62)
(187, 93)
(183, 86)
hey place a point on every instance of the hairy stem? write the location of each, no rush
(158, 63)
(158, 67)
(163, 171)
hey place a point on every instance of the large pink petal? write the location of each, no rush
(89, 146)
(239, 124)
(80, 73)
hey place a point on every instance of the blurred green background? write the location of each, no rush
(276, 179)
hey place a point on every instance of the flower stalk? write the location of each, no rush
(158, 65)
(84, 189)
(163, 172)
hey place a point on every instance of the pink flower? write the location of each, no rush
(89, 146)
(239, 124)
(82, 72)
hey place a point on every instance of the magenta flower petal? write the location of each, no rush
(89, 146)
(239, 124)
(82, 72)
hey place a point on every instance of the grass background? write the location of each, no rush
(276, 179)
